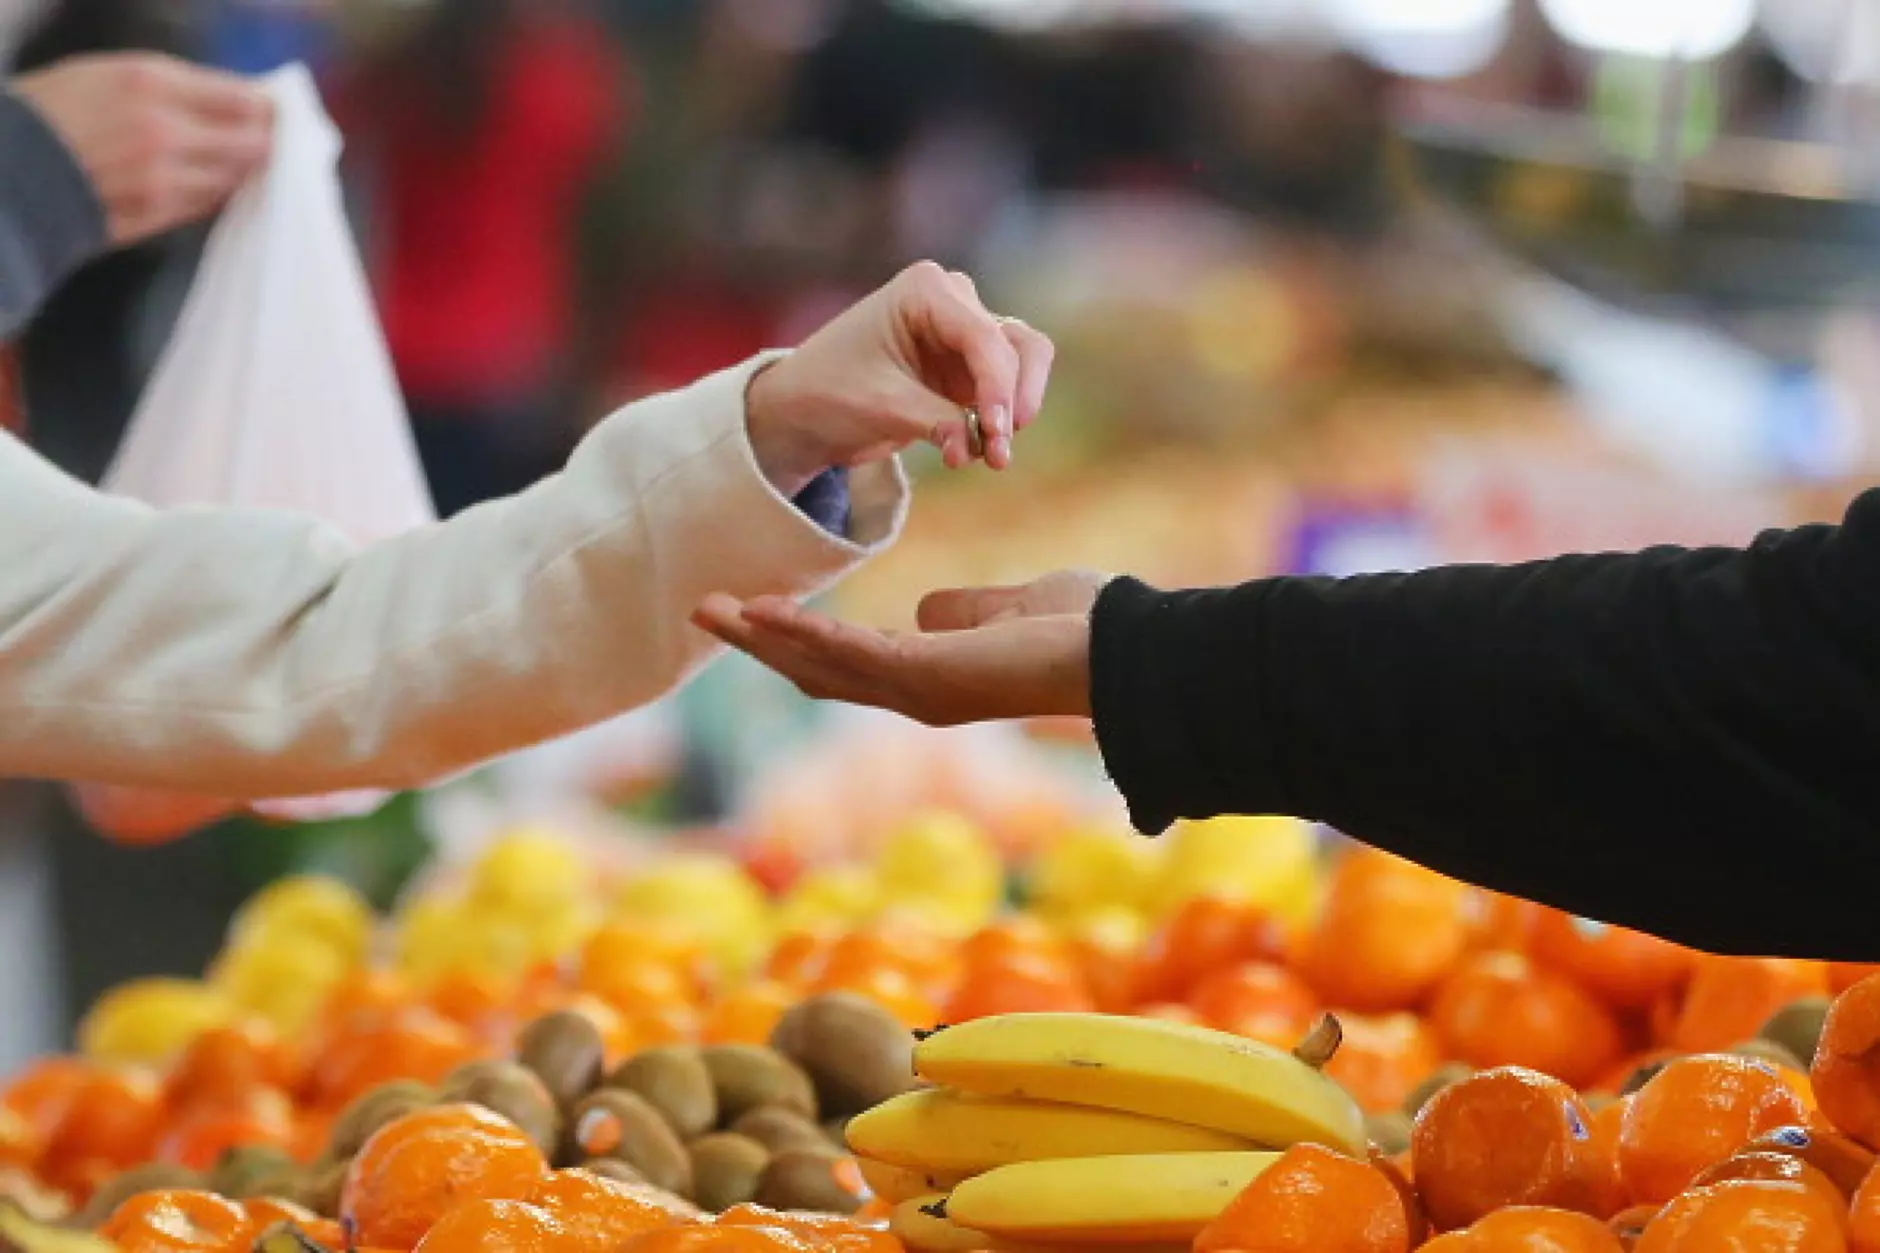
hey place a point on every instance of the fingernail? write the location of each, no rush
(1002, 449)
(1001, 419)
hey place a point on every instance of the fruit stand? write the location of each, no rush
(1244, 1036)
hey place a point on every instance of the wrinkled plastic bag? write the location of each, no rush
(276, 390)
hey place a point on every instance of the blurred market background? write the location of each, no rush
(1302, 326)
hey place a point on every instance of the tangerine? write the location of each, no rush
(1696, 1112)
(1382, 1059)
(1747, 1216)
(1260, 1000)
(1388, 934)
(176, 1220)
(1503, 1137)
(1204, 935)
(1781, 1167)
(825, 1231)
(1498, 1009)
(1625, 969)
(265, 1212)
(416, 1043)
(1021, 983)
(1312, 1199)
(748, 1015)
(111, 1117)
(1730, 998)
(497, 1226)
(1836, 1156)
(603, 1212)
(1863, 1217)
(1846, 1070)
(418, 1166)
(224, 1065)
(43, 1090)
(1535, 1229)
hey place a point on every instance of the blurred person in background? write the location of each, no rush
(477, 127)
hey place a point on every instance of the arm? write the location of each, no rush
(251, 654)
(50, 220)
(1686, 742)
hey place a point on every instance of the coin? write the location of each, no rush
(975, 434)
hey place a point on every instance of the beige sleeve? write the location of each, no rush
(253, 654)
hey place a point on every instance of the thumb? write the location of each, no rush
(963, 608)
(923, 416)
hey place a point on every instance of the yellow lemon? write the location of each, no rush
(945, 857)
(1091, 868)
(530, 872)
(562, 933)
(1258, 860)
(830, 898)
(705, 899)
(150, 1021)
(429, 929)
(1112, 928)
(316, 906)
(284, 980)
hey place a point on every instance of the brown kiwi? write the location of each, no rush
(320, 1188)
(1762, 1050)
(780, 1130)
(1797, 1027)
(566, 1052)
(673, 1080)
(1389, 1131)
(512, 1090)
(613, 1168)
(800, 1180)
(287, 1238)
(372, 1110)
(151, 1177)
(855, 1052)
(746, 1076)
(726, 1169)
(615, 1123)
(1438, 1079)
(250, 1170)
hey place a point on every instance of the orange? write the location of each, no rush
(199, 1139)
(1498, 1009)
(1382, 1060)
(368, 995)
(1730, 998)
(797, 960)
(416, 1167)
(1844, 975)
(1312, 1199)
(1746, 1216)
(175, 1221)
(498, 1226)
(1836, 1156)
(1390, 931)
(469, 998)
(20, 1143)
(224, 1064)
(748, 1015)
(1500, 923)
(890, 987)
(415, 1043)
(1694, 1113)
(1260, 1000)
(1205, 934)
(1625, 969)
(41, 1092)
(1021, 983)
(600, 1213)
(110, 1117)
(1609, 1193)
(1533, 1229)
(1629, 1224)
(1779, 1167)
(827, 1231)
(721, 1240)
(1503, 1137)
(625, 947)
(1863, 1218)
(1454, 1242)
(1846, 1071)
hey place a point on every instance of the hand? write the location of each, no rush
(981, 654)
(163, 142)
(898, 369)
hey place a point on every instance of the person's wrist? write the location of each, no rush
(787, 458)
(1068, 673)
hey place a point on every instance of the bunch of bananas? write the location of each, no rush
(1048, 1130)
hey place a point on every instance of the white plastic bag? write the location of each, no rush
(276, 390)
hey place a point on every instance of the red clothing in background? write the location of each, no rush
(475, 243)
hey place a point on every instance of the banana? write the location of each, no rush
(1147, 1066)
(917, 1224)
(937, 1130)
(1105, 1200)
(895, 1184)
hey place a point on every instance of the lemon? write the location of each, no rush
(1262, 861)
(706, 899)
(308, 905)
(830, 898)
(1089, 869)
(428, 931)
(530, 873)
(562, 933)
(945, 858)
(150, 1021)
(284, 980)
(1112, 928)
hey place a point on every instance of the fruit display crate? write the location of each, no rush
(1247, 1036)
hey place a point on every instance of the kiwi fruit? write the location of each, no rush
(616, 1123)
(566, 1052)
(320, 1188)
(614, 1169)
(746, 1076)
(250, 1170)
(726, 1169)
(285, 1237)
(150, 1177)
(800, 1180)
(780, 1130)
(512, 1090)
(673, 1080)
(372, 1110)
(1389, 1131)
(1437, 1080)
(855, 1052)
(1797, 1027)
(1765, 1050)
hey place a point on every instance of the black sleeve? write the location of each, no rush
(50, 219)
(1685, 742)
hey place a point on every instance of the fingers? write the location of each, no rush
(224, 99)
(963, 608)
(1035, 355)
(948, 308)
(826, 660)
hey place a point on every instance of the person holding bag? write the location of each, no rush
(257, 653)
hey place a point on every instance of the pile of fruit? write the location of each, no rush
(724, 1055)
